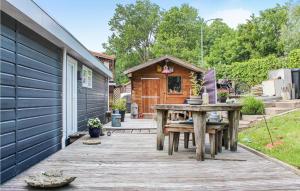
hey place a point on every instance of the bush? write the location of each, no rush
(252, 106)
(254, 71)
(120, 105)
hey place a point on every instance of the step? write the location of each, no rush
(275, 110)
(269, 104)
(292, 104)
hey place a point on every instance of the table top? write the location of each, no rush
(209, 107)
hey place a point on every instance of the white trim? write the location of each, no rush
(150, 78)
(31, 15)
(74, 121)
(64, 110)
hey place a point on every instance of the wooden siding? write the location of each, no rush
(165, 97)
(91, 102)
(31, 102)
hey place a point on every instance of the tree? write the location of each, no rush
(179, 34)
(224, 50)
(290, 32)
(260, 36)
(212, 32)
(133, 29)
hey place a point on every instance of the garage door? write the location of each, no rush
(31, 88)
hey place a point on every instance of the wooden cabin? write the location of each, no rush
(160, 81)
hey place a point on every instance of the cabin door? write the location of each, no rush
(71, 96)
(150, 94)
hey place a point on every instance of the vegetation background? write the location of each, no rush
(270, 40)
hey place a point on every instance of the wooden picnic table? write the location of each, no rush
(199, 121)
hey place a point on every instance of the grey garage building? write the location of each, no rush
(50, 85)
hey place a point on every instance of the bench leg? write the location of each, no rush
(216, 142)
(220, 141)
(193, 137)
(171, 143)
(186, 140)
(212, 145)
(225, 138)
(176, 141)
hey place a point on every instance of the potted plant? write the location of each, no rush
(95, 127)
(120, 106)
(197, 85)
(222, 96)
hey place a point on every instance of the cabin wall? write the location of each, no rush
(165, 97)
(31, 98)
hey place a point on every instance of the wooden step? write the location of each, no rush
(275, 110)
(288, 104)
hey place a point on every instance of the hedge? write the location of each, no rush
(254, 71)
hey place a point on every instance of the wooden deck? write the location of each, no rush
(126, 161)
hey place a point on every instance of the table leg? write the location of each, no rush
(199, 119)
(161, 122)
(234, 119)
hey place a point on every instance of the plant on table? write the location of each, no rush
(196, 87)
(120, 105)
(252, 106)
(95, 127)
(223, 96)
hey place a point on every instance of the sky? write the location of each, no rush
(87, 20)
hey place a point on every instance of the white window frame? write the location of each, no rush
(87, 77)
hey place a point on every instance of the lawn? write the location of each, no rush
(284, 129)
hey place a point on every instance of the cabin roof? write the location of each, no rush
(167, 57)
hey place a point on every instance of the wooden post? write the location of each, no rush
(161, 122)
(193, 138)
(186, 140)
(176, 141)
(199, 119)
(212, 145)
(234, 119)
(220, 135)
(171, 143)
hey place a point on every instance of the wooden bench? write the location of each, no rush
(215, 131)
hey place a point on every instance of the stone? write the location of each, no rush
(91, 142)
(49, 179)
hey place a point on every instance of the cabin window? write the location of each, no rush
(174, 84)
(87, 76)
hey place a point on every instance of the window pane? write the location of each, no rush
(174, 84)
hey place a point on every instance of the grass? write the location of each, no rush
(285, 129)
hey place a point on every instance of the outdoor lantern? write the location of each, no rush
(166, 70)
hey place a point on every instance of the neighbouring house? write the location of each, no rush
(160, 81)
(50, 85)
(110, 62)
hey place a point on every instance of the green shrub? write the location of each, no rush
(252, 106)
(254, 71)
(223, 94)
(120, 105)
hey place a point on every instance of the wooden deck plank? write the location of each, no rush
(125, 161)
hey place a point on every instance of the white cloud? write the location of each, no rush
(232, 17)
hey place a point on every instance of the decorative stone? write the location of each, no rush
(91, 142)
(49, 179)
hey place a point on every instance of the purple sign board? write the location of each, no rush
(211, 86)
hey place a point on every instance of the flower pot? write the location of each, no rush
(122, 115)
(95, 132)
(195, 100)
(222, 99)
